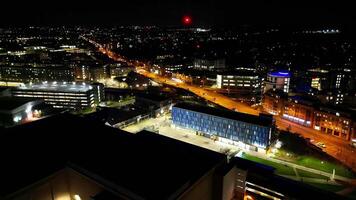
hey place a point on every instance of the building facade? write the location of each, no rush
(27, 73)
(249, 131)
(278, 81)
(329, 120)
(62, 95)
(210, 65)
(242, 83)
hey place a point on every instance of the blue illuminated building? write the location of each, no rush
(278, 80)
(284, 74)
(247, 131)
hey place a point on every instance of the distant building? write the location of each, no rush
(158, 103)
(248, 131)
(62, 94)
(242, 82)
(28, 73)
(309, 112)
(209, 65)
(14, 111)
(278, 81)
(319, 78)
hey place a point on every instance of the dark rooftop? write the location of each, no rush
(252, 119)
(150, 165)
(239, 73)
(114, 115)
(10, 103)
(158, 97)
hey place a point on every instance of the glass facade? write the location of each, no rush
(239, 131)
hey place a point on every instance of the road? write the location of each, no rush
(338, 148)
(335, 147)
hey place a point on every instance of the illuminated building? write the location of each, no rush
(242, 82)
(278, 81)
(309, 112)
(319, 78)
(28, 73)
(209, 65)
(62, 95)
(298, 110)
(14, 111)
(334, 122)
(249, 131)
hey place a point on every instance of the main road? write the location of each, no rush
(335, 147)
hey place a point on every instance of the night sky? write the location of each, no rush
(169, 12)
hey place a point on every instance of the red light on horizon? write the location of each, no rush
(187, 20)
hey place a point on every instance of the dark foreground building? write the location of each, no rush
(65, 158)
(69, 158)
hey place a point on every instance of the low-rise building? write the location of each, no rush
(308, 111)
(248, 131)
(72, 95)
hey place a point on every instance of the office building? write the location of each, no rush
(72, 95)
(242, 82)
(278, 81)
(29, 73)
(248, 131)
(209, 65)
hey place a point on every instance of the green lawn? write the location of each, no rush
(331, 188)
(280, 169)
(307, 174)
(325, 166)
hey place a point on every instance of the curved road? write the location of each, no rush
(335, 147)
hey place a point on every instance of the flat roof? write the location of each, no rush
(285, 74)
(129, 161)
(252, 119)
(57, 86)
(239, 73)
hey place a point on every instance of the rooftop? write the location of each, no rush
(240, 73)
(57, 86)
(285, 74)
(252, 119)
(130, 161)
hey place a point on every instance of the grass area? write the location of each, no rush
(280, 169)
(323, 165)
(331, 188)
(307, 174)
(298, 150)
(84, 111)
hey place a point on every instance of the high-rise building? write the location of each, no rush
(278, 81)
